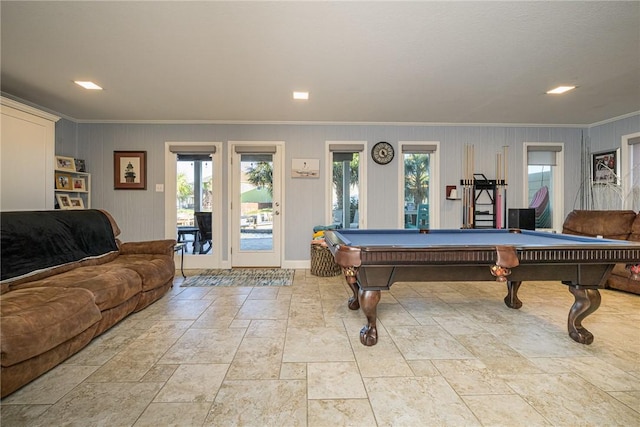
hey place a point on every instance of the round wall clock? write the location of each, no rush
(382, 153)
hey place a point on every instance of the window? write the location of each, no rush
(543, 183)
(416, 173)
(346, 162)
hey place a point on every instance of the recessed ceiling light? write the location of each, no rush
(560, 89)
(300, 95)
(88, 85)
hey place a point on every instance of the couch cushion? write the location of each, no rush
(155, 270)
(111, 285)
(36, 320)
(610, 224)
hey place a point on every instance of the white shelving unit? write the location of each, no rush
(79, 187)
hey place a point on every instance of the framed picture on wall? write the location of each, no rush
(305, 168)
(130, 170)
(605, 167)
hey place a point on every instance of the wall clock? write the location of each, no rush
(382, 153)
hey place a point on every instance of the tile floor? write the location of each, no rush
(449, 354)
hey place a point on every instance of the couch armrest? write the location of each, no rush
(159, 247)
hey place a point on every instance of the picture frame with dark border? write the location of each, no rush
(80, 165)
(605, 167)
(130, 170)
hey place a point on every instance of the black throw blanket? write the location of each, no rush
(34, 240)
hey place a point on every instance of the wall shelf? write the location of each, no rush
(79, 187)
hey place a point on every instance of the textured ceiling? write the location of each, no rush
(425, 62)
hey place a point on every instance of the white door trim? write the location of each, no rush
(234, 199)
(626, 169)
(214, 258)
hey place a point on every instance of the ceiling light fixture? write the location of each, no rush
(301, 95)
(87, 85)
(560, 89)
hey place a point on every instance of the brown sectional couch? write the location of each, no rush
(49, 309)
(610, 224)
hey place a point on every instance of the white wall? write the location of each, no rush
(140, 214)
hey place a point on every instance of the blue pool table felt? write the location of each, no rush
(465, 238)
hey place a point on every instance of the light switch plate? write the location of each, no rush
(159, 188)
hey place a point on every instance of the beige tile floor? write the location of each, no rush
(449, 354)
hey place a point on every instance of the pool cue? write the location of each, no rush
(463, 181)
(505, 150)
(498, 202)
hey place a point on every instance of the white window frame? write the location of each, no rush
(558, 182)
(627, 168)
(362, 187)
(434, 184)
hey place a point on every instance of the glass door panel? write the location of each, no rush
(256, 202)
(256, 207)
(417, 172)
(194, 203)
(346, 195)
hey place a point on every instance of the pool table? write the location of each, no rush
(373, 260)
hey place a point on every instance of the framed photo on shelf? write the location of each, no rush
(79, 184)
(64, 201)
(130, 170)
(605, 167)
(64, 181)
(65, 163)
(80, 166)
(76, 203)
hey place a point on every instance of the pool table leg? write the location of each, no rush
(511, 300)
(368, 302)
(350, 274)
(586, 302)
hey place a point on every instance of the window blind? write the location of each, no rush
(193, 149)
(419, 148)
(542, 155)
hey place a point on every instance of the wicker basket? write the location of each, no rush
(322, 262)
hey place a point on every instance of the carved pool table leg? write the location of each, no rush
(511, 300)
(350, 274)
(586, 302)
(369, 301)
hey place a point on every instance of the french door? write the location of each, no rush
(256, 204)
(193, 197)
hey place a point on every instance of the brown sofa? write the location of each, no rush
(610, 224)
(66, 278)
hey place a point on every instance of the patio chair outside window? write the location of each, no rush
(203, 222)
